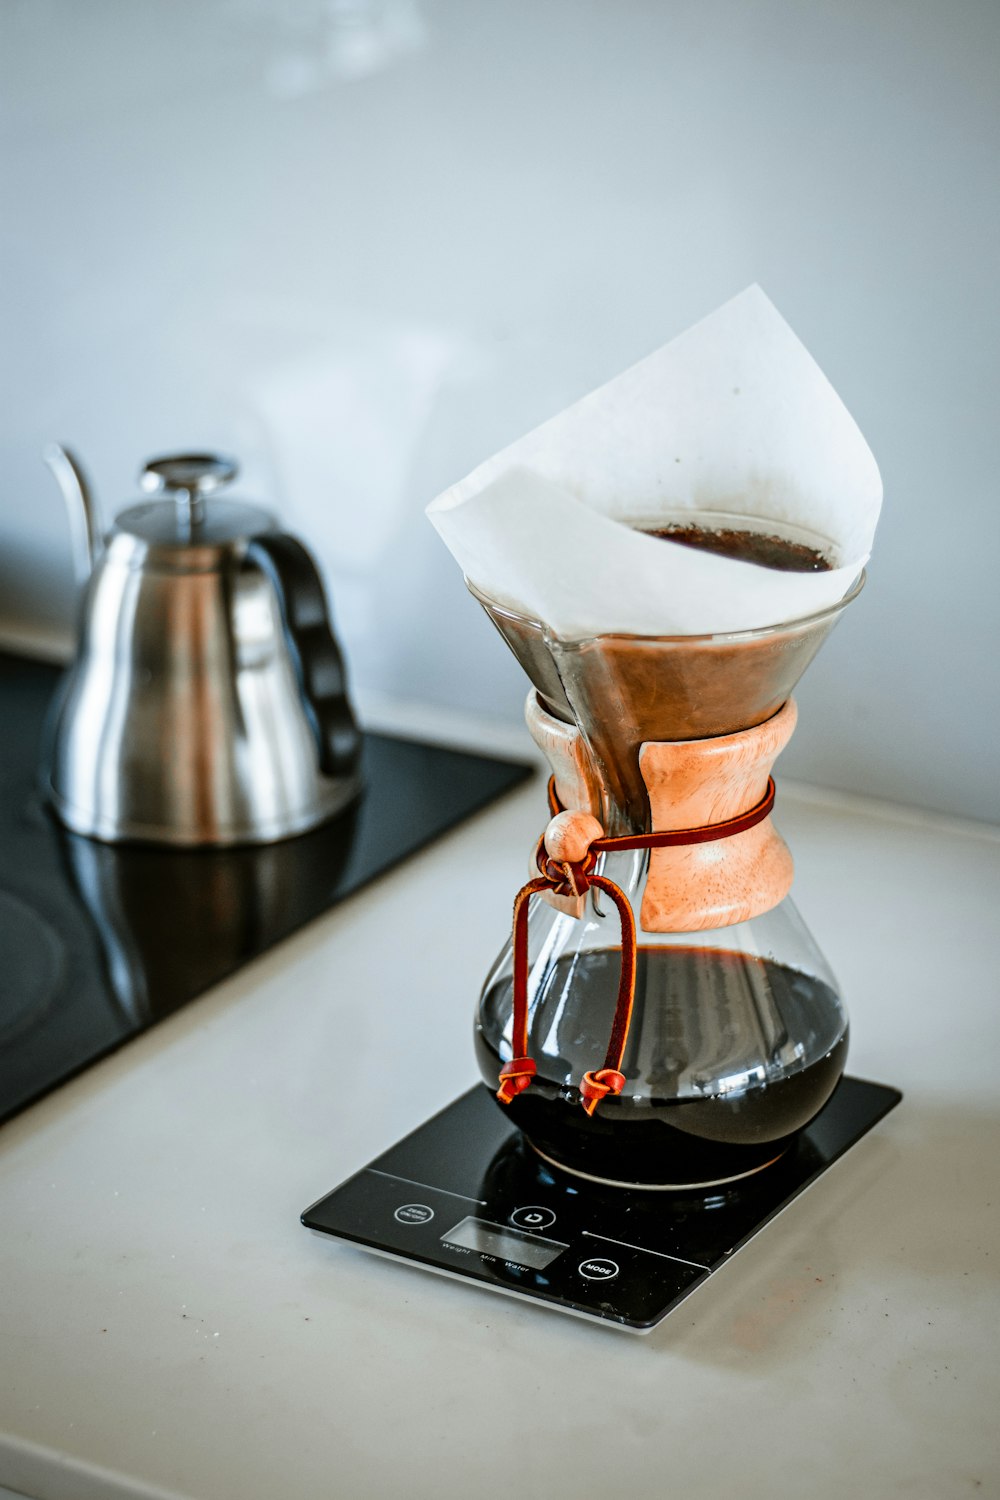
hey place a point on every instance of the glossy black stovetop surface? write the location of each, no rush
(99, 942)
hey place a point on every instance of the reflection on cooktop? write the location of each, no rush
(100, 941)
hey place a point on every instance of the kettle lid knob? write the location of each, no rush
(189, 478)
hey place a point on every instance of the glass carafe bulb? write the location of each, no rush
(738, 1038)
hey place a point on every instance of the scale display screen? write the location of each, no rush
(506, 1244)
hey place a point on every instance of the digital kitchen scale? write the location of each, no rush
(467, 1196)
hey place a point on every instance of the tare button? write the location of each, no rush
(599, 1269)
(414, 1213)
(533, 1217)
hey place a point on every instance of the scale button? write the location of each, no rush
(533, 1217)
(599, 1269)
(414, 1213)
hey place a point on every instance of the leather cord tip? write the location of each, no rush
(597, 1086)
(515, 1078)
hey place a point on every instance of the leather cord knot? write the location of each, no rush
(596, 1086)
(515, 1077)
(565, 877)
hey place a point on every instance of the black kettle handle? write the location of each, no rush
(315, 654)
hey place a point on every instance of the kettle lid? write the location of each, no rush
(186, 515)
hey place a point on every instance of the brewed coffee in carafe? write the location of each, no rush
(736, 1034)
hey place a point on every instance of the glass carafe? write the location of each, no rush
(738, 1034)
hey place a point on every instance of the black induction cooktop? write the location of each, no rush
(98, 942)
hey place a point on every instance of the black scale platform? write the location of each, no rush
(465, 1195)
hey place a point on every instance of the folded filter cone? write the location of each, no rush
(733, 426)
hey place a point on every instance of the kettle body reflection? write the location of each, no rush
(208, 702)
(171, 925)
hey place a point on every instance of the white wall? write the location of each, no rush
(363, 243)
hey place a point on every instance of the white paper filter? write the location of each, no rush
(732, 419)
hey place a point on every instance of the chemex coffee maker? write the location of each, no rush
(661, 1042)
(661, 1017)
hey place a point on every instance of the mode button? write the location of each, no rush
(599, 1269)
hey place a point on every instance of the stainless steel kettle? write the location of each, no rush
(208, 700)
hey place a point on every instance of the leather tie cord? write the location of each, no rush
(573, 878)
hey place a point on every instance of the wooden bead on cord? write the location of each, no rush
(569, 835)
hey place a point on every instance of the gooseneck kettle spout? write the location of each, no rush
(81, 507)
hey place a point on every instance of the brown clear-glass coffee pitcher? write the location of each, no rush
(664, 877)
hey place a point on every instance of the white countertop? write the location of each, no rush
(168, 1328)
